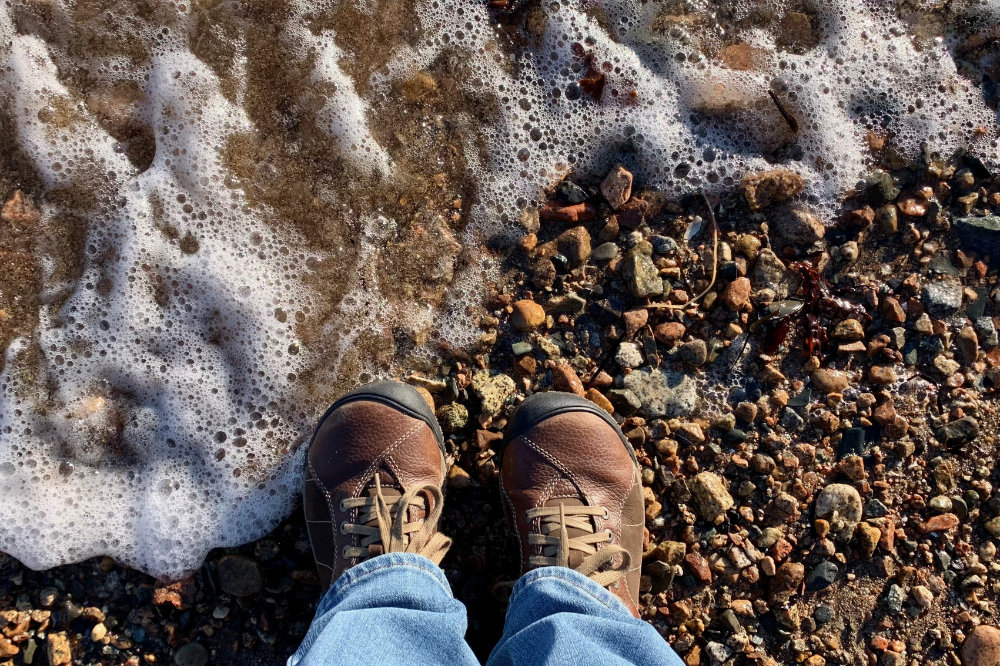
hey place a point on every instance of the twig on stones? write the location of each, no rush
(715, 265)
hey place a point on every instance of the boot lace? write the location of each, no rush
(557, 545)
(386, 528)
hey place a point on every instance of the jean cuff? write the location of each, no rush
(360, 572)
(577, 580)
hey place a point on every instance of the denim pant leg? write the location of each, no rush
(558, 616)
(391, 609)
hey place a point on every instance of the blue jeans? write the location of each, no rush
(398, 609)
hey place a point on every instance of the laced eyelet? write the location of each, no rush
(343, 528)
(343, 552)
(342, 507)
(611, 535)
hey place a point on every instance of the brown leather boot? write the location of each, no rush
(374, 477)
(573, 493)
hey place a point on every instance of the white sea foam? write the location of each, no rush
(162, 417)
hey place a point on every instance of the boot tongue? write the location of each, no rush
(575, 557)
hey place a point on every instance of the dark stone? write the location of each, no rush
(894, 599)
(876, 509)
(239, 576)
(570, 192)
(728, 272)
(942, 265)
(959, 508)
(981, 234)
(730, 622)
(606, 311)
(942, 560)
(852, 442)
(959, 431)
(822, 615)
(624, 400)
(733, 437)
(942, 297)
(663, 244)
(880, 189)
(821, 577)
(801, 399)
(791, 421)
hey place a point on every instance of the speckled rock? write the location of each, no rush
(841, 505)
(493, 391)
(711, 498)
(662, 392)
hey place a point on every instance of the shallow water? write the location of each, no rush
(242, 208)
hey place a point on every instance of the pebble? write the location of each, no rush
(635, 320)
(940, 504)
(604, 252)
(849, 330)
(239, 576)
(894, 599)
(941, 523)
(892, 311)
(19, 211)
(493, 391)
(669, 332)
(887, 219)
(694, 352)
(822, 576)
(458, 478)
(57, 648)
(880, 189)
(736, 293)
(717, 653)
(922, 596)
(661, 392)
(452, 417)
(982, 647)
(942, 297)
(980, 233)
(527, 315)
(846, 502)
(564, 378)
(829, 381)
(663, 244)
(786, 581)
(598, 399)
(641, 274)
(574, 244)
(192, 654)
(881, 375)
(711, 498)
(699, 567)
(770, 272)
(98, 632)
(570, 192)
(796, 226)
(768, 187)
(868, 538)
(617, 186)
(747, 245)
(629, 355)
(993, 526)
(959, 431)
(48, 596)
